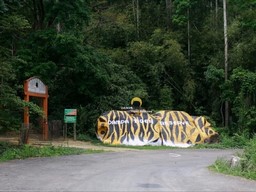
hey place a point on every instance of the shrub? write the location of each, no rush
(249, 157)
(247, 166)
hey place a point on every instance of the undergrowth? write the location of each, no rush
(247, 166)
(10, 151)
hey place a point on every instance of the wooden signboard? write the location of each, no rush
(34, 87)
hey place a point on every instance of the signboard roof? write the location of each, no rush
(35, 85)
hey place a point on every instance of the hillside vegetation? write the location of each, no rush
(97, 55)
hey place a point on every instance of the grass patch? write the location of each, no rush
(227, 142)
(97, 142)
(143, 147)
(246, 167)
(223, 166)
(87, 138)
(9, 151)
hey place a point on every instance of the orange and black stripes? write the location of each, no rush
(175, 127)
(210, 135)
(122, 127)
(171, 128)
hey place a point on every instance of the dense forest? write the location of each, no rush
(97, 55)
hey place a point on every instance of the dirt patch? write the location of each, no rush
(35, 140)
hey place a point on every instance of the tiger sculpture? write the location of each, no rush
(128, 127)
(205, 127)
(180, 129)
(169, 128)
(176, 128)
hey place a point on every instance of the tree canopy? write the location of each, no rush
(98, 55)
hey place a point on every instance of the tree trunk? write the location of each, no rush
(137, 19)
(35, 23)
(58, 27)
(168, 4)
(39, 14)
(226, 59)
(188, 29)
(216, 13)
(135, 6)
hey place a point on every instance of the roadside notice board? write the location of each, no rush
(70, 115)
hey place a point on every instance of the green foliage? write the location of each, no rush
(235, 141)
(87, 138)
(4, 146)
(73, 15)
(97, 55)
(249, 157)
(9, 152)
(13, 26)
(214, 75)
(180, 16)
(223, 166)
(166, 98)
(227, 141)
(243, 53)
(158, 63)
(10, 104)
(111, 28)
(247, 166)
(241, 90)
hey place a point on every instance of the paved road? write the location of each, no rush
(163, 170)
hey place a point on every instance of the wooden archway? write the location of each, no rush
(34, 87)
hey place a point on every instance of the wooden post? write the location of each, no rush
(45, 119)
(34, 87)
(74, 131)
(26, 111)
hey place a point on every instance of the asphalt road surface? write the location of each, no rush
(162, 170)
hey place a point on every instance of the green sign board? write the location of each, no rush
(70, 115)
(70, 119)
(70, 112)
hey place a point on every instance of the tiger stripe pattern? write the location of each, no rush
(178, 128)
(128, 127)
(169, 128)
(210, 135)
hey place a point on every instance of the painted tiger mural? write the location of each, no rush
(205, 127)
(177, 128)
(128, 127)
(169, 128)
(180, 129)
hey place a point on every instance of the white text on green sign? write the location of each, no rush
(70, 119)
